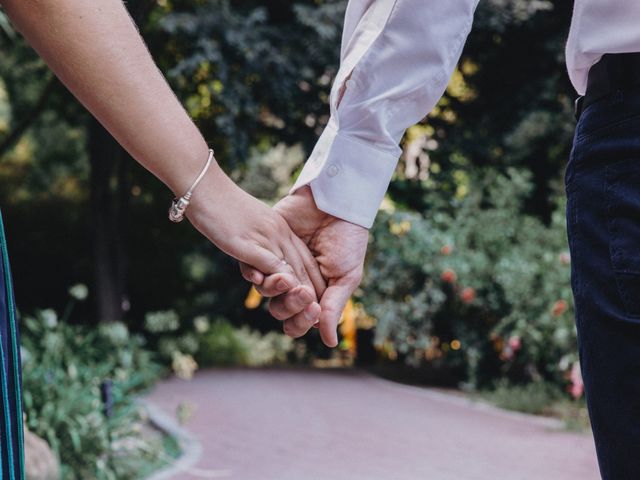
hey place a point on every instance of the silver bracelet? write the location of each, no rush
(179, 205)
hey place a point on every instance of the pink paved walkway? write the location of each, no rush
(348, 425)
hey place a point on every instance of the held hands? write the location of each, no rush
(257, 235)
(339, 249)
(338, 246)
(307, 261)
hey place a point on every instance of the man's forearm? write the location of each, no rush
(95, 49)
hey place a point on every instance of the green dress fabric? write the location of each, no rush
(11, 427)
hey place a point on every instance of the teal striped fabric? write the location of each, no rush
(11, 429)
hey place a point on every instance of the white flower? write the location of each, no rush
(49, 318)
(160, 322)
(201, 323)
(116, 332)
(184, 366)
(79, 291)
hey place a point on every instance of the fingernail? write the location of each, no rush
(255, 278)
(305, 296)
(282, 286)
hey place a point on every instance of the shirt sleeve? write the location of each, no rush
(396, 59)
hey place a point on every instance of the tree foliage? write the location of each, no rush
(256, 76)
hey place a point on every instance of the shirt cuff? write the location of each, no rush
(348, 176)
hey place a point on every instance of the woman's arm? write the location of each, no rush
(95, 49)
(93, 46)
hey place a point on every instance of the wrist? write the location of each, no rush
(180, 203)
(314, 215)
(213, 191)
(186, 170)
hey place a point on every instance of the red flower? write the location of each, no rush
(576, 389)
(515, 343)
(448, 276)
(446, 250)
(559, 307)
(468, 295)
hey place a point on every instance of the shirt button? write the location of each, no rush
(333, 170)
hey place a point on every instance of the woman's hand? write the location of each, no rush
(253, 233)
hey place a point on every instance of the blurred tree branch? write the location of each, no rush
(14, 135)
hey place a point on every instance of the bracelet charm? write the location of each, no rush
(177, 209)
(179, 205)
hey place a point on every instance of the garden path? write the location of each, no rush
(299, 424)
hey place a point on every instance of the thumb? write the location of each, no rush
(332, 303)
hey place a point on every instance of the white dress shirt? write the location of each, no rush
(599, 27)
(396, 59)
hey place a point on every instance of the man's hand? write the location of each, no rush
(338, 246)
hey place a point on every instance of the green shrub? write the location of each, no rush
(264, 349)
(64, 367)
(184, 345)
(540, 398)
(224, 345)
(478, 286)
(535, 397)
(220, 346)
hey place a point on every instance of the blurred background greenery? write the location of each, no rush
(467, 277)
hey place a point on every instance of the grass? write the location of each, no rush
(539, 398)
(536, 398)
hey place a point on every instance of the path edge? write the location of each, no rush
(191, 448)
(477, 404)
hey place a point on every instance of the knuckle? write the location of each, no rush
(274, 263)
(265, 290)
(290, 329)
(266, 293)
(294, 303)
(289, 269)
(277, 312)
(302, 273)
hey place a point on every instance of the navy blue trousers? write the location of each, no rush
(11, 433)
(603, 217)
